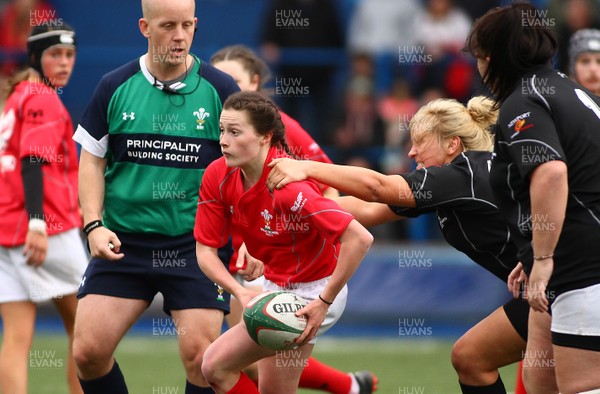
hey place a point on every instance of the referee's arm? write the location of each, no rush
(91, 198)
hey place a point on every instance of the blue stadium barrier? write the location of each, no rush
(411, 291)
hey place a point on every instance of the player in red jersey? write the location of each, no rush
(41, 253)
(309, 245)
(251, 73)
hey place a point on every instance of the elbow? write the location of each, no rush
(357, 238)
(365, 240)
(373, 190)
(551, 174)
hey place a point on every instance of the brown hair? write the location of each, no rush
(249, 60)
(263, 115)
(16, 79)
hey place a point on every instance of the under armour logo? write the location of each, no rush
(82, 282)
(131, 116)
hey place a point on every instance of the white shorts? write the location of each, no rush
(577, 312)
(59, 275)
(310, 291)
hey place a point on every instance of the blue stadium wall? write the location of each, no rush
(415, 291)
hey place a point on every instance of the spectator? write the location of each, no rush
(381, 29)
(440, 32)
(584, 59)
(381, 26)
(16, 20)
(304, 90)
(358, 123)
(566, 17)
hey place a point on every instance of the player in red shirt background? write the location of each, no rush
(41, 253)
(307, 243)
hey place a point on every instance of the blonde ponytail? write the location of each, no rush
(447, 118)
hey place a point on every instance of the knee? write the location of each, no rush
(462, 357)
(192, 355)
(89, 355)
(210, 368)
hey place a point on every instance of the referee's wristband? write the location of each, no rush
(37, 226)
(326, 302)
(91, 226)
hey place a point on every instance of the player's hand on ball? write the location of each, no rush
(245, 295)
(314, 313)
(284, 171)
(105, 244)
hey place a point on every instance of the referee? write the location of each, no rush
(147, 135)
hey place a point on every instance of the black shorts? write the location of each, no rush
(155, 264)
(517, 311)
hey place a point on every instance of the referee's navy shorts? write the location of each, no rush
(153, 264)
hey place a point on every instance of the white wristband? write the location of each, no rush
(37, 225)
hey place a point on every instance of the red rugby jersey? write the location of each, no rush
(301, 144)
(34, 122)
(295, 231)
(303, 147)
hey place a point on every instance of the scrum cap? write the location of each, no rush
(43, 37)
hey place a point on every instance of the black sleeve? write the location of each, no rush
(529, 133)
(435, 187)
(33, 186)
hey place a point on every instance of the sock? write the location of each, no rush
(113, 382)
(191, 388)
(494, 388)
(244, 385)
(317, 375)
(519, 387)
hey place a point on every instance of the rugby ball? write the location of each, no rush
(270, 319)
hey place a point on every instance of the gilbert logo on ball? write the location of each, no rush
(271, 321)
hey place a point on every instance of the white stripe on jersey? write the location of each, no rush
(530, 140)
(89, 143)
(472, 175)
(589, 210)
(538, 93)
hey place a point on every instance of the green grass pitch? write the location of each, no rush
(151, 365)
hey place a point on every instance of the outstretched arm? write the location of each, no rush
(367, 213)
(366, 184)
